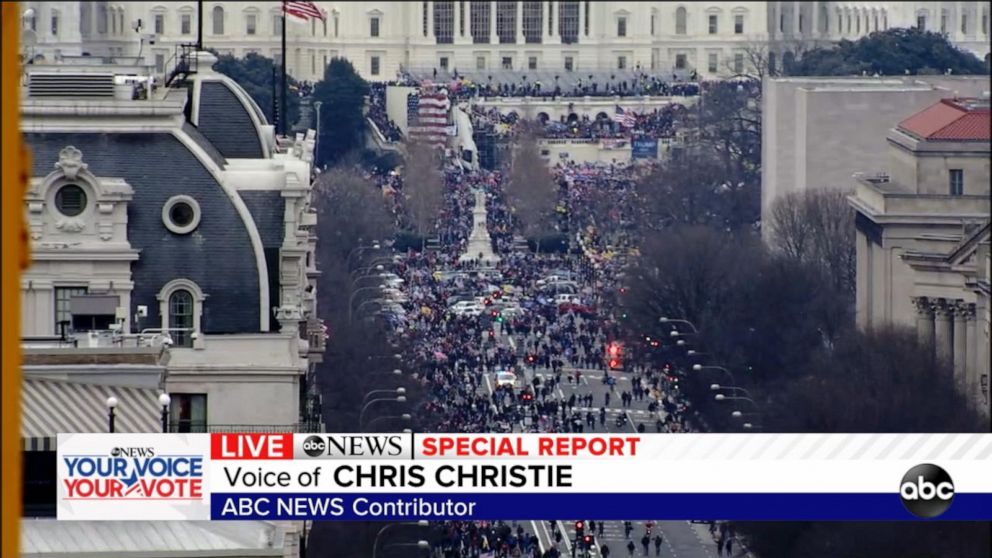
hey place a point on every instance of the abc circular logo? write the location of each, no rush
(116, 452)
(314, 446)
(926, 490)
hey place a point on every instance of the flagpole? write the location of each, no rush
(284, 112)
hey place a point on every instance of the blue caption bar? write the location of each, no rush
(626, 506)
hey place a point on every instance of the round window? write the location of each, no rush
(181, 214)
(70, 200)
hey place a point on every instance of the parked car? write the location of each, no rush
(466, 308)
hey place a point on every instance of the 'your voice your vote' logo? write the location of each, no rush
(133, 473)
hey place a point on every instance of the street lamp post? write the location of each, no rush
(722, 397)
(111, 413)
(361, 414)
(718, 387)
(351, 299)
(359, 249)
(375, 542)
(701, 367)
(405, 417)
(364, 276)
(665, 320)
(164, 400)
(397, 391)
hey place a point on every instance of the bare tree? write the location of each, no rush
(817, 226)
(352, 209)
(422, 188)
(531, 192)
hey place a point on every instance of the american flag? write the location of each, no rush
(625, 118)
(304, 10)
(427, 117)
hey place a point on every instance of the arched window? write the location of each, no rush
(680, 17)
(181, 310)
(218, 15)
(181, 317)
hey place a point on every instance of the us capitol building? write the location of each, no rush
(381, 38)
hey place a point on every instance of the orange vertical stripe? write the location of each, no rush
(15, 254)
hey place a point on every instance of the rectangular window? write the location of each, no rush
(985, 23)
(507, 62)
(738, 62)
(943, 23)
(423, 10)
(532, 23)
(479, 22)
(63, 307)
(964, 24)
(185, 24)
(801, 23)
(251, 24)
(188, 412)
(55, 25)
(337, 21)
(480, 62)
(506, 22)
(621, 27)
(313, 63)
(444, 22)
(551, 18)
(568, 22)
(921, 22)
(313, 27)
(712, 62)
(277, 24)
(374, 27)
(738, 24)
(159, 24)
(532, 63)
(713, 24)
(652, 24)
(374, 66)
(443, 62)
(957, 182)
(159, 62)
(324, 22)
(569, 63)
(325, 62)
(621, 62)
(461, 19)
(680, 61)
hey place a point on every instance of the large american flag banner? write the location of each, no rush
(427, 117)
(304, 10)
(625, 118)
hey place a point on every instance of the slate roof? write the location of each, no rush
(227, 123)
(951, 120)
(217, 256)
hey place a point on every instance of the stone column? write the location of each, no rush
(943, 337)
(815, 23)
(520, 24)
(971, 363)
(430, 23)
(960, 342)
(493, 39)
(924, 320)
(553, 19)
(582, 21)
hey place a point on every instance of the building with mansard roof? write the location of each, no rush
(381, 38)
(170, 216)
(923, 237)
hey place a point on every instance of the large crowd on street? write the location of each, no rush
(454, 356)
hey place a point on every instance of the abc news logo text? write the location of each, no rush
(355, 446)
(926, 490)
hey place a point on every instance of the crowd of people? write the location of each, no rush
(658, 123)
(377, 112)
(450, 355)
(568, 84)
